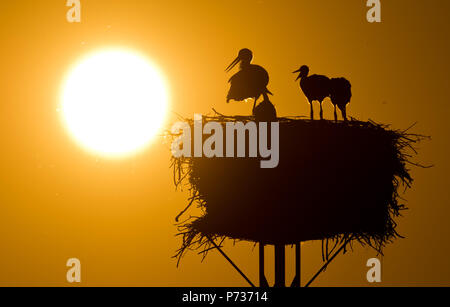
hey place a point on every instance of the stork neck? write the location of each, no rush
(245, 64)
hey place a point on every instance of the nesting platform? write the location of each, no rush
(334, 180)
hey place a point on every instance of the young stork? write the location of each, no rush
(340, 94)
(250, 81)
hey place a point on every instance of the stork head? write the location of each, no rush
(245, 56)
(303, 72)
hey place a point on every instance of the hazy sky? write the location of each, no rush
(58, 201)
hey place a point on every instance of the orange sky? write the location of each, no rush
(58, 201)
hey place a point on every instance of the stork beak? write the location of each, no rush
(236, 60)
(298, 77)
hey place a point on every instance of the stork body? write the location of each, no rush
(340, 94)
(250, 82)
(315, 87)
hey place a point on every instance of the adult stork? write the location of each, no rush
(315, 87)
(250, 81)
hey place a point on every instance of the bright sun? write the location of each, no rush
(114, 102)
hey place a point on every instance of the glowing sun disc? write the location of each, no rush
(114, 102)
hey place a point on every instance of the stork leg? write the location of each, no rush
(321, 110)
(344, 113)
(254, 104)
(312, 111)
(335, 114)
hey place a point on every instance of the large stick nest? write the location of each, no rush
(335, 181)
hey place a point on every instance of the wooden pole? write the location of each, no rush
(280, 266)
(298, 263)
(262, 277)
(329, 261)
(230, 261)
